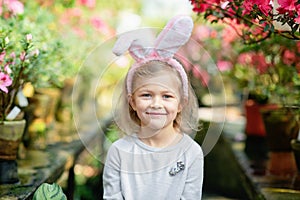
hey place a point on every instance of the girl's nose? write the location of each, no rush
(156, 103)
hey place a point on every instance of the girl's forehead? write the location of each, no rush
(169, 82)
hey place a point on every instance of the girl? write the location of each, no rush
(157, 160)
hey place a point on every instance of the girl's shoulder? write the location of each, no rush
(125, 142)
(193, 146)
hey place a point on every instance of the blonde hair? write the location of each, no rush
(126, 118)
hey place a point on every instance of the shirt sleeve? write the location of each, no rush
(194, 181)
(111, 176)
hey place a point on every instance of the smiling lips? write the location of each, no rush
(155, 113)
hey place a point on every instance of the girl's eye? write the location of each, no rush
(167, 96)
(145, 95)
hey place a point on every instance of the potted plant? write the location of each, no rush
(17, 62)
(268, 62)
(25, 53)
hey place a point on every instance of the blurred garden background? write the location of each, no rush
(69, 42)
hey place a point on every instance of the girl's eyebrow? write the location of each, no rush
(144, 90)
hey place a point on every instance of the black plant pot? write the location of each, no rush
(281, 127)
(8, 172)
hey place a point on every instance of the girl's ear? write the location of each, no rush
(131, 102)
(179, 108)
(182, 104)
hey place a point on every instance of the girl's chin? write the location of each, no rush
(154, 128)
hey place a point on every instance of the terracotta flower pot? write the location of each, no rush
(255, 144)
(254, 122)
(296, 150)
(281, 128)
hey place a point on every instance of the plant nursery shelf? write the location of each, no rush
(48, 165)
(237, 167)
(244, 178)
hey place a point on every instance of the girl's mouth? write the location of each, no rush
(155, 113)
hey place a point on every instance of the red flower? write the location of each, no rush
(289, 57)
(245, 58)
(263, 6)
(287, 5)
(259, 62)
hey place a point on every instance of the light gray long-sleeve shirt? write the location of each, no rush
(136, 171)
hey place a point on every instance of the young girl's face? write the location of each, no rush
(157, 101)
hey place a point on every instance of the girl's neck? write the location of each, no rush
(161, 138)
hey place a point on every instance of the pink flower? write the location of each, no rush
(13, 55)
(297, 19)
(265, 8)
(2, 56)
(16, 7)
(263, 5)
(287, 5)
(1, 9)
(203, 32)
(224, 65)
(259, 62)
(23, 56)
(71, 16)
(97, 22)
(229, 35)
(5, 81)
(87, 3)
(200, 8)
(245, 58)
(7, 69)
(248, 7)
(289, 57)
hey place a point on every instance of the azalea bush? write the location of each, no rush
(257, 19)
(29, 53)
(213, 49)
(270, 71)
(17, 68)
(81, 27)
(266, 59)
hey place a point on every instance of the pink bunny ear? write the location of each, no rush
(143, 48)
(137, 42)
(175, 34)
(137, 51)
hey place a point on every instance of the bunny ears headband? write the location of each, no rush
(175, 34)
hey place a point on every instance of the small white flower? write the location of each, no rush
(28, 37)
(6, 40)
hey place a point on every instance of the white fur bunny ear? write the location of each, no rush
(175, 34)
(138, 42)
